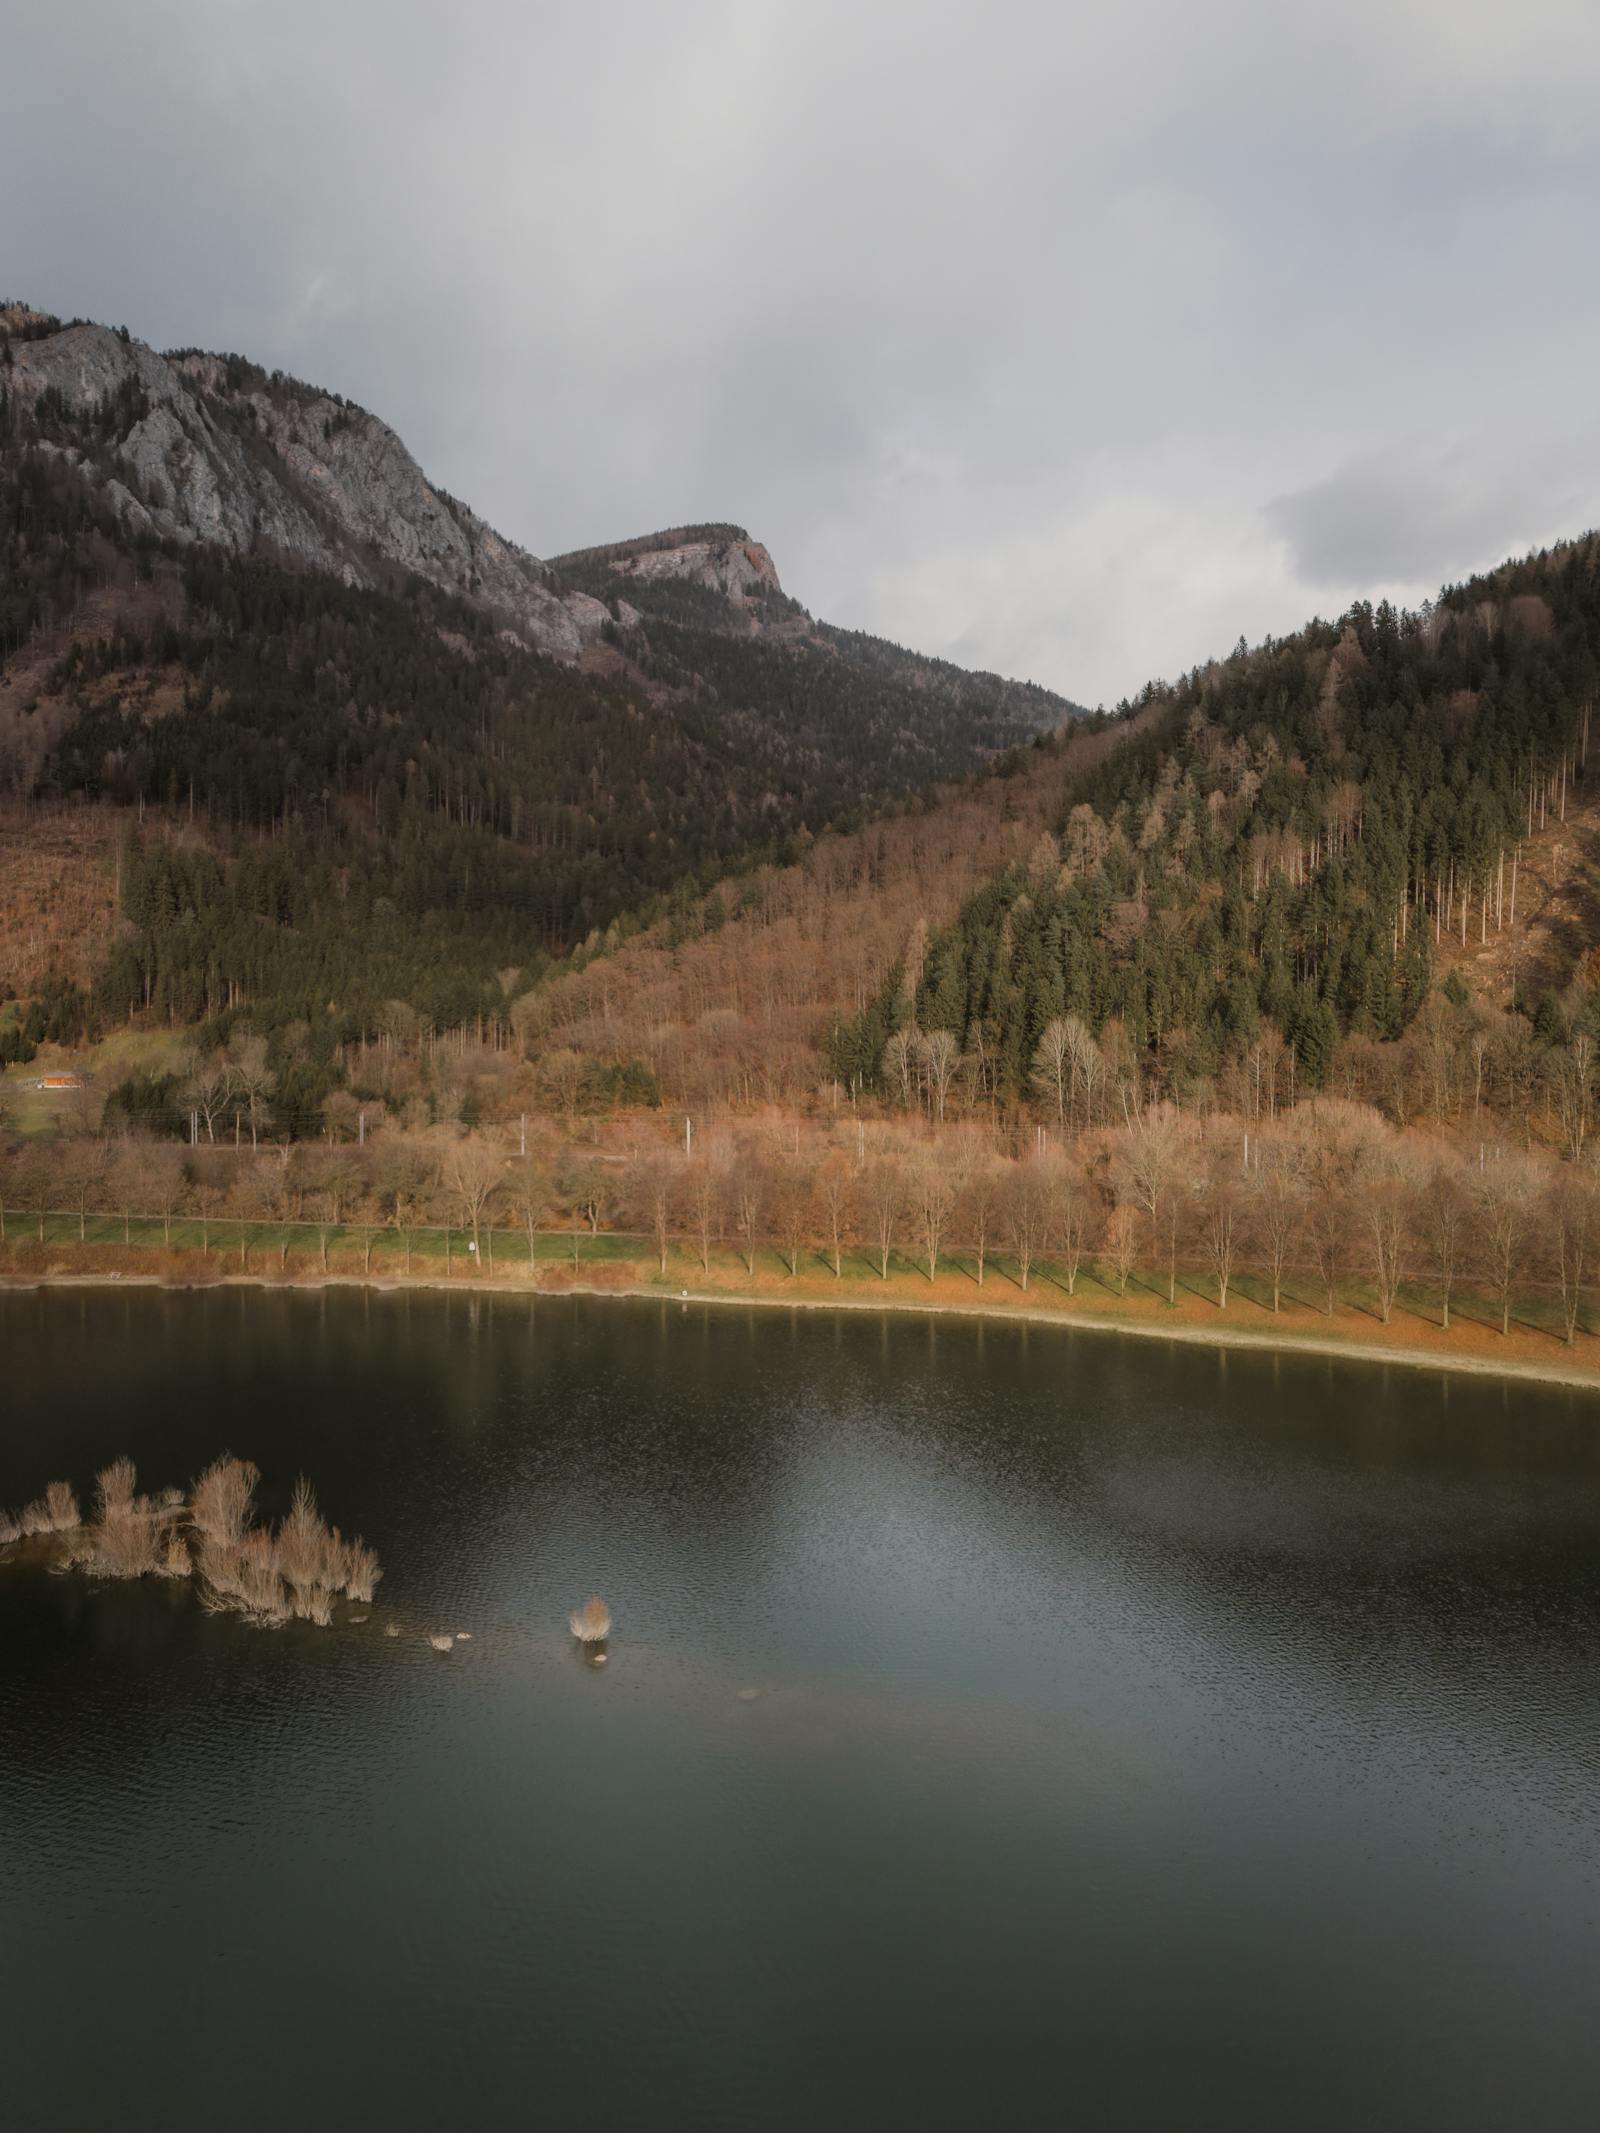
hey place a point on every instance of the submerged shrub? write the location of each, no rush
(114, 1486)
(176, 1561)
(240, 1567)
(361, 1571)
(56, 1511)
(128, 1539)
(62, 1505)
(222, 1502)
(260, 1592)
(306, 1554)
(591, 1623)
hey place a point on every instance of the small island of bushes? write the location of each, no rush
(241, 1565)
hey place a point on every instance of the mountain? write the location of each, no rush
(191, 448)
(702, 618)
(373, 751)
(1296, 867)
(292, 739)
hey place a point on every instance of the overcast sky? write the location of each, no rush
(1072, 341)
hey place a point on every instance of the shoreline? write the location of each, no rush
(1269, 1341)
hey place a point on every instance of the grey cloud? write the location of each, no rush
(1413, 515)
(996, 324)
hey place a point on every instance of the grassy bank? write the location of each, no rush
(188, 1254)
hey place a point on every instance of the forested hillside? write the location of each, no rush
(1287, 846)
(1272, 865)
(1275, 992)
(304, 694)
(705, 620)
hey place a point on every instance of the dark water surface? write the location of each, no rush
(1147, 1737)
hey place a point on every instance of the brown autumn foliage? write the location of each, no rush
(591, 1623)
(731, 1017)
(58, 893)
(240, 1566)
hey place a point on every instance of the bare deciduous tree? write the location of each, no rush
(1027, 1215)
(207, 1196)
(982, 1204)
(1439, 1217)
(883, 1196)
(931, 1192)
(1052, 1065)
(207, 1089)
(1277, 1209)
(749, 1196)
(1153, 1161)
(1122, 1243)
(1385, 1185)
(835, 1195)
(81, 1175)
(1341, 1132)
(1220, 1218)
(939, 1055)
(1573, 1216)
(789, 1196)
(706, 1196)
(1572, 1084)
(403, 1173)
(1503, 1193)
(589, 1188)
(529, 1192)
(472, 1172)
(899, 1059)
(1069, 1217)
(249, 1077)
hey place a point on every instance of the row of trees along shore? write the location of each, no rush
(1316, 1203)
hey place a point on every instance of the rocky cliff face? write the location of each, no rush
(719, 559)
(209, 448)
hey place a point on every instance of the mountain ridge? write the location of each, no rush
(233, 611)
(1260, 869)
(197, 446)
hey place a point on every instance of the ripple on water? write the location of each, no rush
(990, 1725)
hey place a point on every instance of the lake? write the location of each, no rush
(1144, 1736)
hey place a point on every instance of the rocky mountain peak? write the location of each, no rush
(722, 559)
(202, 447)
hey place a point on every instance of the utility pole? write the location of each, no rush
(688, 1136)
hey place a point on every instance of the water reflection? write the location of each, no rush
(1120, 1706)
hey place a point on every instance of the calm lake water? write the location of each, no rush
(1146, 1737)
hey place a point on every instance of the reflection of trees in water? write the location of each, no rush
(1022, 1509)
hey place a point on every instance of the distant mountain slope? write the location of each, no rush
(194, 447)
(1258, 871)
(702, 617)
(409, 760)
